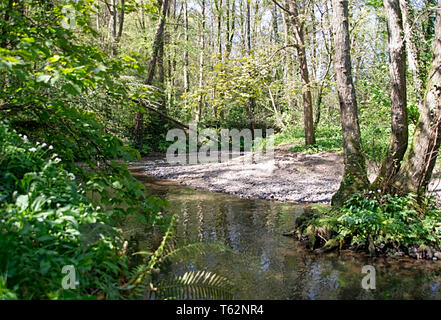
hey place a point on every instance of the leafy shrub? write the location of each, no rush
(388, 219)
(44, 220)
(47, 222)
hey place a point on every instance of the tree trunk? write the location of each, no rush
(355, 176)
(416, 169)
(304, 74)
(186, 62)
(251, 107)
(201, 64)
(248, 22)
(275, 24)
(412, 55)
(121, 22)
(151, 72)
(231, 22)
(286, 57)
(218, 4)
(399, 137)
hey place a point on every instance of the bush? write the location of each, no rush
(47, 223)
(391, 221)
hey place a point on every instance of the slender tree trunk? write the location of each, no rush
(248, 25)
(412, 55)
(416, 170)
(318, 106)
(227, 24)
(276, 112)
(151, 73)
(231, 22)
(304, 74)
(399, 137)
(252, 100)
(218, 4)
(287, 56)
(275, 24)
(121, 22)
(251, 106)
(242, 20)
(201, 64)
(355, 175)
(114, 14)
(186, 62)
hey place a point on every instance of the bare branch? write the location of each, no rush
(282, 7)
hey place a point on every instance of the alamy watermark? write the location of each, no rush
(69, 281)
(233, 143)
(369, 281)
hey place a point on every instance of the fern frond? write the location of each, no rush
(194, 285)
(143, 271)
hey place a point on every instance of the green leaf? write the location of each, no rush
(71, 88)
(44, 267)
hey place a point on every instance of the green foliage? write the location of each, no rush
(49, 222)
(64, 189)
(194, 285)
(5, 293)
(327, 139)
(239, 84)
(375, 140)
(44, 213)
(389, 220)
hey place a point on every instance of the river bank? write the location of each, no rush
(292, 176)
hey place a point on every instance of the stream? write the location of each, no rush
(264, 264)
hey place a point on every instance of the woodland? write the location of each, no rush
(88, 87)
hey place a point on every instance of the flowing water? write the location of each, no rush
(264, 264)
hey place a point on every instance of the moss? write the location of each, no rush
(311, 238)
(330, 245)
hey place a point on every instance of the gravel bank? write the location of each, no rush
(296, 177)
(292, 176)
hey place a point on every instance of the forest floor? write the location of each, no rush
(292, 176)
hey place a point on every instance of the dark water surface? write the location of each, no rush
(266, 265)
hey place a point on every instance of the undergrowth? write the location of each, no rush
(377, 223)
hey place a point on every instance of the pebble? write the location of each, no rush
(248, 180)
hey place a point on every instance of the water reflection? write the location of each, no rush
(266, 265)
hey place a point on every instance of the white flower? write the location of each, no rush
(33, 149)
(38, 143)
(50, 147)
(57, 159)
(72, 176)
(44, 144)
(25, 138)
